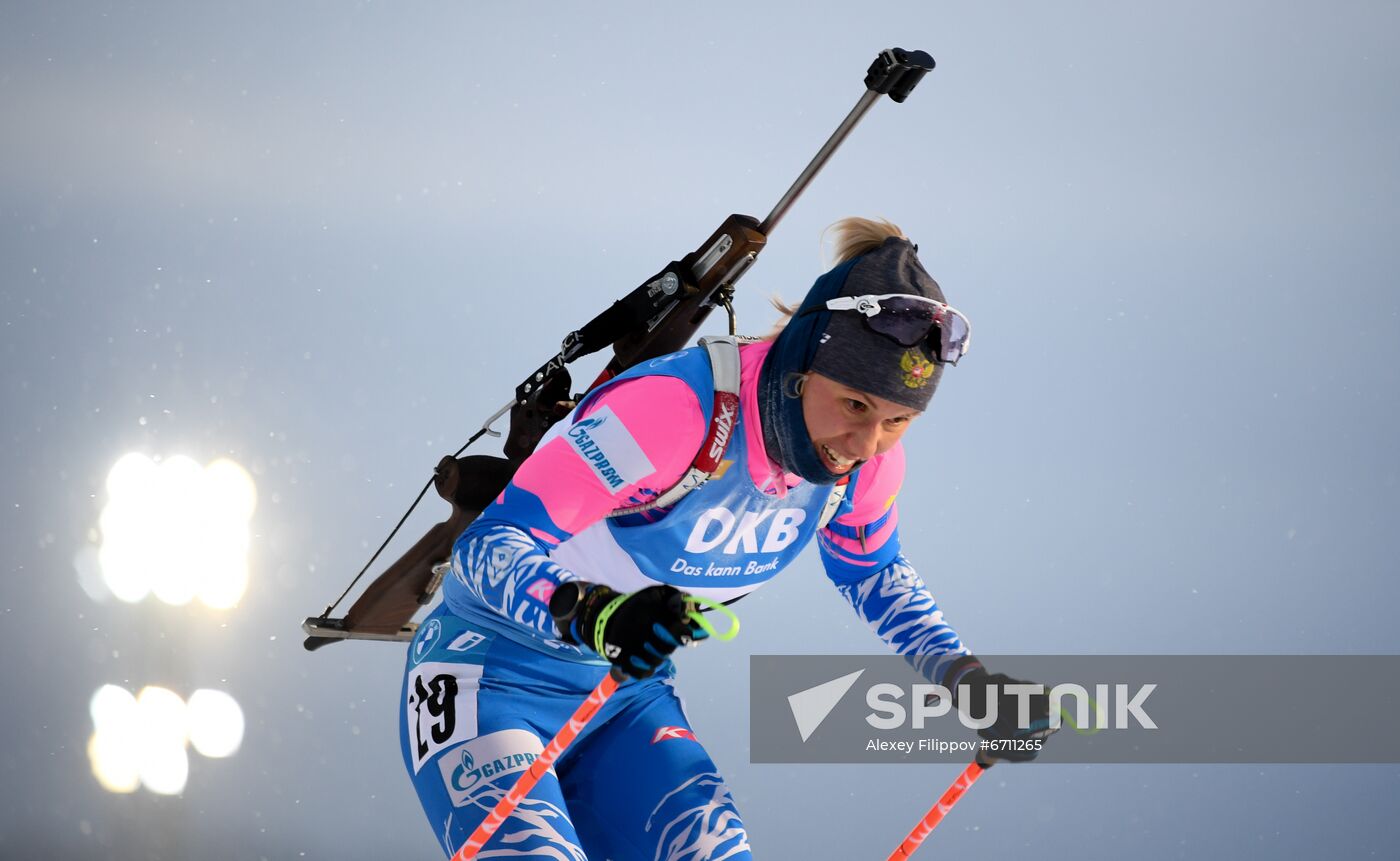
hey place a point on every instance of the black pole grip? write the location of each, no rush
(896, 72)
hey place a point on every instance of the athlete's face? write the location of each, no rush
(847, 425)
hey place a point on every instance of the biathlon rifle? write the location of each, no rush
(659, 317)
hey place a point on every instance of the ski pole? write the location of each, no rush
(506, 806)
(567, 733)
(940, 809)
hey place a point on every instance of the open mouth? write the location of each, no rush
(835, 462)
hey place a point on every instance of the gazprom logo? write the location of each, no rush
(468, 774)
(479, 762)
(605, 444)
(591, 452)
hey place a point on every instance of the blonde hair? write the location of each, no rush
(854, 236)
(850, 238)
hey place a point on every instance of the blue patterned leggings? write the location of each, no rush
(477, 708)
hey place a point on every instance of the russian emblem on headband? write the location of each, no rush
(917, 370)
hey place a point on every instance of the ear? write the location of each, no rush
(794, 385)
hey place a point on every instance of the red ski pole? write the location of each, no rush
(940, 809)
(506, 806)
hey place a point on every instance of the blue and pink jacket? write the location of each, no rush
(626, 443)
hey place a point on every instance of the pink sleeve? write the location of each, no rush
(633, 442)
(867, 535)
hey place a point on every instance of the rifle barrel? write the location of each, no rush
(818, 161)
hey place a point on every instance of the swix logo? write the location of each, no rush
(666, 733)
(723, 426)
(740, 534)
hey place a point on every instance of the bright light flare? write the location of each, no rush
(116, 763)
(165, 769)
(177, 530)
(163, 727)
(113, 707)
(163, 716)
(141, 740)
(216, 723)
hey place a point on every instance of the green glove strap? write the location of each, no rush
(602, 623)
(699, 618)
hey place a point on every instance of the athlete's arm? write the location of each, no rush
(860, 550)
(633, 442)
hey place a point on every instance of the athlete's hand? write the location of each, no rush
(1008, 739)
(635, 632)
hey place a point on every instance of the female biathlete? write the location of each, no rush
(585, 559)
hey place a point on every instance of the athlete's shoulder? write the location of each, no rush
(624, 444)
(644, 396)
(655, 418)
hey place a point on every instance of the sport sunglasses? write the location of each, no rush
(908, 320)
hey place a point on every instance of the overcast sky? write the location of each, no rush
(326, 240)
